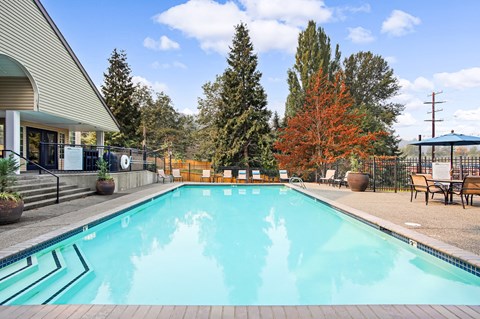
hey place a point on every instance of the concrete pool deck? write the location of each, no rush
(450, 224)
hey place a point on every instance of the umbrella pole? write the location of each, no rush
(451, 161)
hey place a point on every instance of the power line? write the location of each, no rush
(433, 120)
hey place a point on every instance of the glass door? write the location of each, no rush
(43, 154)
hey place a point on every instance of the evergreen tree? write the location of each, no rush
(242, 119)
(372, 84)
(118, 93)
(208, 107)
(313, 53)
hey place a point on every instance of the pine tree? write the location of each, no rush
(118, 92)
(372, 84)
(242, 120)
(208, 107)
(313, 53)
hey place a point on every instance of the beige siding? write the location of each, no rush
(63, 89)
(16, 93)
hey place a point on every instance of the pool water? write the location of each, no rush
(236, 245)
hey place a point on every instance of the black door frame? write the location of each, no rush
(43, 149)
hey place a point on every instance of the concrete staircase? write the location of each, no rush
(41, 190)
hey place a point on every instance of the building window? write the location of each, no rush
(2, 135)
(71, 137)
(22, 128)
(61, 141)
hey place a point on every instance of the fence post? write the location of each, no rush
(395, 174)
(374, 171)
(130, 156)
(189, 172)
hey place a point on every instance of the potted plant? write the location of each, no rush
(357, 181)
(105, 182)
(11, 203)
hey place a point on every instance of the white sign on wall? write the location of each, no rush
(73, 159)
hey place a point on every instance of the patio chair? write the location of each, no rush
(283, 175)
(161, 174)
(342, 181)
(206, 175)
(256, 176)
(419, 183)
(329, 177)
(227, 173)
(470, 187)
(242, 175)
(176, 175)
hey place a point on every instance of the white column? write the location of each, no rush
(100, 137)
(12, 132)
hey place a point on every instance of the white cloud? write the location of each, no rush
(163, 44)
(175, 64)
(340, 11)
(360, 35)
(273, 24)
(156, 86)
(294, 13)
(188, 111)
(391, 59)
(467, 115)
(419, 84)
(466, 78)
(405, 120)
(400, 23)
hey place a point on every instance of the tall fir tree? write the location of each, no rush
(242, 119)
(208, 107)
(313, 53)
(118, 92)
(372, 84)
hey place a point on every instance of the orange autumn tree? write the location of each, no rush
(324, 131)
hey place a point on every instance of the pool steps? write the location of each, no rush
(47, 279)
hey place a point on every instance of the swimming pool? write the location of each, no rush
(235, 245)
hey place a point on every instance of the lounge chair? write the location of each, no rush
(161, 174)
(342, 181)
(419, 183)
(329, 177)
(227, 174)
(206, 175)
(470, 186)
(242, 175)
(283, 175)
(176, 175)
(256, 176)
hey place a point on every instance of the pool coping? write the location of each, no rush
(458, 257)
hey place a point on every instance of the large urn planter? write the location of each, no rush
(105, 187)
(358, 182)
(10, 211)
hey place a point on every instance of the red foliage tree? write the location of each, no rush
(326, 130)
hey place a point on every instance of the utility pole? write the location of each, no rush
(433, 120)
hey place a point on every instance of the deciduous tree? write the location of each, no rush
(372, 84)
(313, 53)
(325, 130)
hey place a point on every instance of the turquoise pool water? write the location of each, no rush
(235, 245)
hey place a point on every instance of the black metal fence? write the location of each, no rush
(392, 173)
(72, 158)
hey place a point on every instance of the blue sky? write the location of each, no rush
(176, 46)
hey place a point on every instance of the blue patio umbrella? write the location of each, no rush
(451, 139)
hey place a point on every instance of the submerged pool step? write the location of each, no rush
(49, 266)
(59, 272)
(11, 274)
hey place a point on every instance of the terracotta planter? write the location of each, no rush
(358, 182)
(10, 211)
(105, 187)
